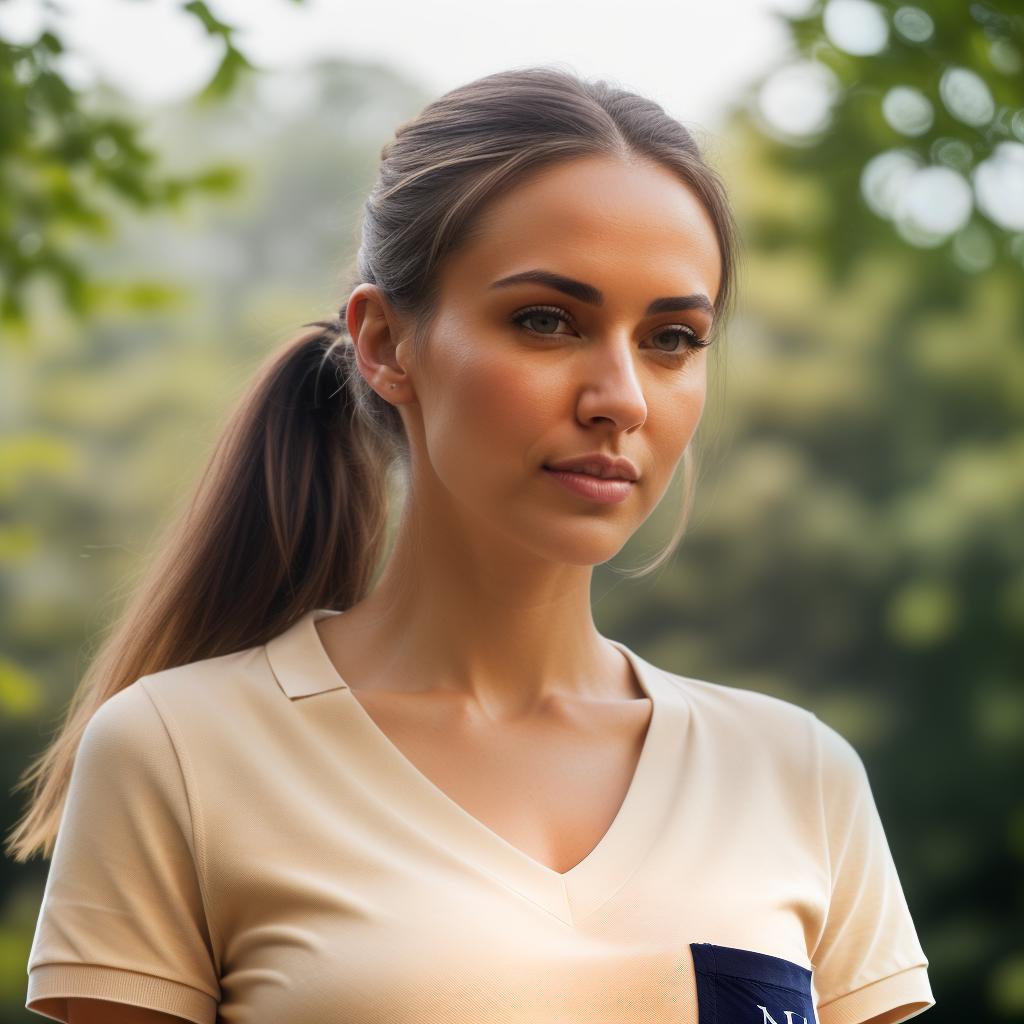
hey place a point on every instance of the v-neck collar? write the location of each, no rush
(302, 667)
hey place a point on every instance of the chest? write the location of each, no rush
(551, 787)
(391, 870)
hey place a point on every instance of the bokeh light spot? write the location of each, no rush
(915, 25)
(999, 186)
(884, 178)
(933, 203)
(907, 110)
(797, 100)
(966, 96)
(856, 26)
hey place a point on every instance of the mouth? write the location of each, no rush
(603, 490)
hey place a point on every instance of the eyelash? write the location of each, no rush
(688, 336)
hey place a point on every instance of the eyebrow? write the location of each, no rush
(595, 297)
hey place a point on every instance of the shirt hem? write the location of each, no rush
(898, 997)
(50, 986)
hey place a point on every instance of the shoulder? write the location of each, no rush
(174, 735)
(764, 722)
(221, 689)
(125, 728)
(742, 709)
(762, 727)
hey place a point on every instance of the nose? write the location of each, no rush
(612, 390)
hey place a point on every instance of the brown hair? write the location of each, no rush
(291, 509)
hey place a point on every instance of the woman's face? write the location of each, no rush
(493, 401)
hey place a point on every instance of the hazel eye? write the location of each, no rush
(541, 313)
(686, 336)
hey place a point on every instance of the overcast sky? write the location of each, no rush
(691, 57)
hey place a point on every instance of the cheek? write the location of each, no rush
(491, 412)
(673, 415)
(681, 406)
(689, 411)
(502, 395)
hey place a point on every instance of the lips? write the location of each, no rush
(606, 491)
(585, 472)
(599, 465)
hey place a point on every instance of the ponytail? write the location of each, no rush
(289, 514)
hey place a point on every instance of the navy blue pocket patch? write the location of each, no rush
(740, 986)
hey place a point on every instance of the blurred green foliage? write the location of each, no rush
(63, 153)
(941, 87)
(856, 545)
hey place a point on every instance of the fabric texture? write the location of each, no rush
(241, 842)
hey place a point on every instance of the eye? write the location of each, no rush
(685, 336)
(540, 313)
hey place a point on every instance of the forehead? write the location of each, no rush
(624, 226)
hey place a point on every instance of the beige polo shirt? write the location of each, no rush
(241, 842)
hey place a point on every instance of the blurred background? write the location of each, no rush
(180, 187)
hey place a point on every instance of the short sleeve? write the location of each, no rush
(868, 962)
(122, 915)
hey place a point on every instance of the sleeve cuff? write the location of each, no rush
(51, 985)
(889, 1000)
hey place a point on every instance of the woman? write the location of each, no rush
(305, 791)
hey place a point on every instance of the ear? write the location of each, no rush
(376, 332)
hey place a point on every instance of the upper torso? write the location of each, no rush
(353, 870)
(393, 879)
